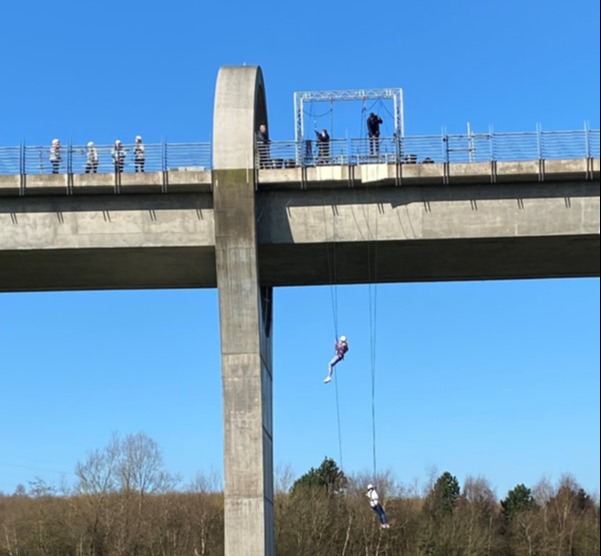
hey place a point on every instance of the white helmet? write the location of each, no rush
(55, 141)
(117, 142)
(370, 486)
(343, 338)
(138, 138)
(90, 143)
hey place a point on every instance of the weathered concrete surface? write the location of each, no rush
(100, 242)
(430, 232)
(245, 318)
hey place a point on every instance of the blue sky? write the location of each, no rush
(498, 379)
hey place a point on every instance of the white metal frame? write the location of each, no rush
(300, 98)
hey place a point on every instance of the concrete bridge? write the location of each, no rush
(246, 231)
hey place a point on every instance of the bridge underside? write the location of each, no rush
(305, 264)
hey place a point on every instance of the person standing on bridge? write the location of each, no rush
(118, 155)
(323, 146)
(92, 159)
(341, 347)
(373, 131)
(262, 139)
(139, 155)
(55, 155)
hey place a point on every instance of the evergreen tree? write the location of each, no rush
(519, 499)
(328, 475)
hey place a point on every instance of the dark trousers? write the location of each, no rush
(374, 144)
(381, 514)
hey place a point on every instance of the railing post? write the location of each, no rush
(539, 141)
(587, 139)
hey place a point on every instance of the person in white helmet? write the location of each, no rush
(341, 347)
(374, 502)
(55, 155)
(92, 159)
(139, 155)
(118, 154)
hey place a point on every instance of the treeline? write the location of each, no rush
(125, 504)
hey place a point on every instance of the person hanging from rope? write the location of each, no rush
(341, 347)
(373, 130)
(374, 502)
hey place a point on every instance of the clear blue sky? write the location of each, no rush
(498, 379)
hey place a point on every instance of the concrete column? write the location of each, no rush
(245, 316)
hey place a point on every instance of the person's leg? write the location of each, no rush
(335, 360)
(381, 514)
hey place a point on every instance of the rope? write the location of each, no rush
(331, 118)
(331, 258)
(334, 295)
(331, 261)
(373, 314)
(339, 426)
(310, 113)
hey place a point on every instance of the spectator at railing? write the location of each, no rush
(139, 155)
(262, 140)
(323, 146)
(118, 155)
(55, 155)
(92, 159)
(373, 131)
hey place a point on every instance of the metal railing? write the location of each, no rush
(77, 159)
(489, 147)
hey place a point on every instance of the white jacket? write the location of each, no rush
(374, 499)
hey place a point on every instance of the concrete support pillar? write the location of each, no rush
(245, 317)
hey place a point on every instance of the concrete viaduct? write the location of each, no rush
(246, 231)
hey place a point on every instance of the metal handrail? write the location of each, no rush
(453, 148)
(77, 159)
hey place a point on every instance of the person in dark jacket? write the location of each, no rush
(262, 140)
(373, 131)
